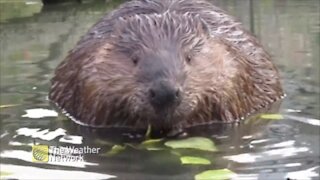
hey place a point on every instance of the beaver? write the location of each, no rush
(165, 64)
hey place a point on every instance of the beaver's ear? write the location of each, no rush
(203, 27)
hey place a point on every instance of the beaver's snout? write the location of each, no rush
(163, 95)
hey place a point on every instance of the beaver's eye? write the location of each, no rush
(135, 60)
(188, 58)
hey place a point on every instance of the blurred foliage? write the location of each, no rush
(18, 8)
(12, 9)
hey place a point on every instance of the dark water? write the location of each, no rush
(34, 39)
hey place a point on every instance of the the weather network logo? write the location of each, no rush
(45, 153)
(40, 153)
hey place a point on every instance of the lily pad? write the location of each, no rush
(115, 150)
(271, 116)
(219, 174)
(199, 143)
(194, 160)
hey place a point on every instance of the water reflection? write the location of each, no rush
(34, 39)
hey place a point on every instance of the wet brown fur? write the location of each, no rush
(230, 75)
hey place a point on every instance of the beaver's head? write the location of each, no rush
(161, 70)
(158, 70)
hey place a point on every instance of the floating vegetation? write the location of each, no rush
(272, 116)
(199, 143)
(219, 174)
(194, 160)
(114, 150)
(152, 144)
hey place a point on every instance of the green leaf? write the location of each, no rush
(148, 133)
(271, 116)
(152, 144)
(199, 143)
(115, 150)
(219, 174)
(194, 160)
(154, 149)
(151, 141)
(4, 173)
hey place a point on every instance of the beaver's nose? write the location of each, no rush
(164, 94)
